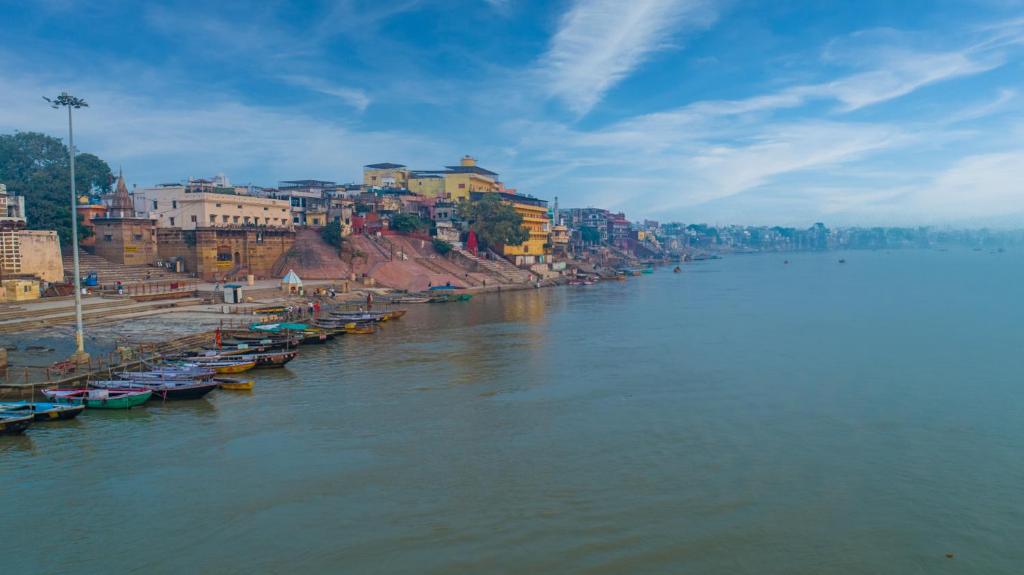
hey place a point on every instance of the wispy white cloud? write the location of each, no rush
(352, 96)
(600, 42)
(158, 138)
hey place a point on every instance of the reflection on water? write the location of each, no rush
(744, 416)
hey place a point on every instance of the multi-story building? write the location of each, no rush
(534, 211)
(12, 210)
(386, 175)
(430, 184)
(453, 182)
(619, 230)
(187, 208)
(466, 178)
(309, 200)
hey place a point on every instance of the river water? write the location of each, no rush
(743, 416)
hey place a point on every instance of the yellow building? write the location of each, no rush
(386, 175)
(537, 248)
(19, 289)
(462, 180)
(427, 184)
(560, 239)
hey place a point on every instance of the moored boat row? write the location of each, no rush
(192, 375)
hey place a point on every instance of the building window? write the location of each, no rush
(266, 209)
(137, 237)
(155, 205)
(239, 206)
(224, 219)
(194, 219)
(235, 220)
(462, 186)
(172, 222)
(218, 205)
(213, 218)
(174, 204)
(108, 238)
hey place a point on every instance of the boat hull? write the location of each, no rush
(15, 424)
(236, 384)
(119, 401)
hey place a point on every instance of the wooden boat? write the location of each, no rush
(334, 325)
(224, 367)
(231, 384)
(44, 411)
(170, 372)
(267, 343)
(357, 316)
(395, 314)
(99, 398)
(410, 299)
(360, 329)
(12, 423)
(269, 310)
(166, 389)
(677, 270)
(263, 360)
(315, 335)
(275, 359)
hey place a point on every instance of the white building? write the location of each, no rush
(188, 208)
(12, 209)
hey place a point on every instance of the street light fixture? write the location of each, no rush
(65, 100)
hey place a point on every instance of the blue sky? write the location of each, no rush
(691, 110)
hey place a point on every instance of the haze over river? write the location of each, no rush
(744, 416)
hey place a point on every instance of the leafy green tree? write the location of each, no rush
(494, 221)
(331, 233)
(442, 247)
(406, 223)
(36, 166)
(590, 235)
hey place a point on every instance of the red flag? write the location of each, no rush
(471, 242)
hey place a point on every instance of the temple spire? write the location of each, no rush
(121, 206)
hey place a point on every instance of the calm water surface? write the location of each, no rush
(744, 416)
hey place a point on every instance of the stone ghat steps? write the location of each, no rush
(38, 322)
(508, 273)
(110, 272)
(87, 306)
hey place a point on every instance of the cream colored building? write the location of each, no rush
(33, 253)
(176, 206)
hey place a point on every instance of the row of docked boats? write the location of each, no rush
(194, 374)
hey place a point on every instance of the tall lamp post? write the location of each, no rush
(73, 103)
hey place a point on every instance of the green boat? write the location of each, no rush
(647, 271)
(99, 398)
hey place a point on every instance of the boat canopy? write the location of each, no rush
(276, 327)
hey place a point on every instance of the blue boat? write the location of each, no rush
(42, 411)
(12, 423)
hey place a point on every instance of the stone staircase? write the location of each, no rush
(498, 267)
(110, 272)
